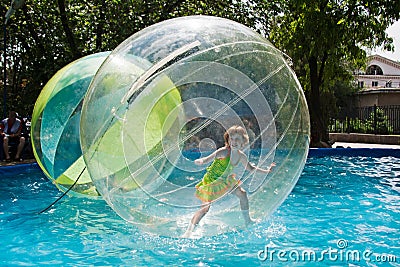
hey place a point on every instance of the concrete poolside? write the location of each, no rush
(13, 163)
(363, 145)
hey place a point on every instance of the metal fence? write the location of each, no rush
(373, 120)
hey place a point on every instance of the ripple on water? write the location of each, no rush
(351, 198)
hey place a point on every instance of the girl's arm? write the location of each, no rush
(251, 167)
(217, 153)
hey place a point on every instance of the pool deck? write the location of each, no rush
(357, 150)
(363, 145)
(13, 163)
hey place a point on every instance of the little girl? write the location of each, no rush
(219, 178)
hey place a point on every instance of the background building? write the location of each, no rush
(379, 84)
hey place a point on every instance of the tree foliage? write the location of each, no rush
(46, 35)
(325, 39)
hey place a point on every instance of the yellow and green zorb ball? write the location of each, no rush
(55, 125)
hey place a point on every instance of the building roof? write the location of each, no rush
(384, 60)
(389, 67)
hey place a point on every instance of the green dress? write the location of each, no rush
(217, 181)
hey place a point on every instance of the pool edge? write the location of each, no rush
(312, 152)
(354, 152)
(17, 167)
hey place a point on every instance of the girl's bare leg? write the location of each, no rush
(196, 219)
(244, 204)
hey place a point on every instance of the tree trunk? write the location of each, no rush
(68, 32)
(318, 127)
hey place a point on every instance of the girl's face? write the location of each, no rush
(236, 141)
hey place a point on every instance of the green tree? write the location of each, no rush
(46, 35)
(321, 35)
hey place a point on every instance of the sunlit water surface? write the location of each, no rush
(344, 211)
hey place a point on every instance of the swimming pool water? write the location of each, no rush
(341, 208)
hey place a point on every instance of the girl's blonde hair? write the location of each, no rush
(236, 129)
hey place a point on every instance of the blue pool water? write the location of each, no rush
(344, 211)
